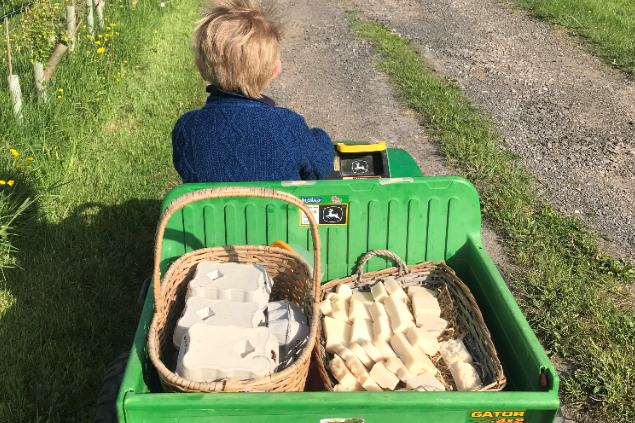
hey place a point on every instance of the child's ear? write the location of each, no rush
(198, 65)
(277, 70)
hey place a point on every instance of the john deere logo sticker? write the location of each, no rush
(333, 213)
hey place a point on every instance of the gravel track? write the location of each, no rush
(570, 117)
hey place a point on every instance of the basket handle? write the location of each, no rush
(224, 192)
(386, 253)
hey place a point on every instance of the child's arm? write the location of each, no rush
(183, 150)
(319, 154)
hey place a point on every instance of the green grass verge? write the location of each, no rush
(563, 282)
(608, 25)
(69, 306)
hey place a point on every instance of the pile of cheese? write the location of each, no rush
(377, 341)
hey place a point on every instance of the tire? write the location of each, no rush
(106, 401)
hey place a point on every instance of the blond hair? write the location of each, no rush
(237, 45)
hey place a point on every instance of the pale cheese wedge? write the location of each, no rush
(393, 305)
(361, 354)
(392, 285)
(379, 292)
(401, 296)
(424, 291)
(377, 310)
(337, 333)
(369, 384)
(382, 329)
(341, 372)
(344, 352)
(372, 351)
(344, 292)
(383, 377)
(326, 309)
(432, 324)
(362, 331)
(404, 374)
(365, 298)
(425, 305)
(357, 368)
(358, 310)
(423, 340)
(383, 347)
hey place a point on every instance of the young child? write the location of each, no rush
(240, 135)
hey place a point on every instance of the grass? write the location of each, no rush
(563, 282)
(68, 306)
(608, 25)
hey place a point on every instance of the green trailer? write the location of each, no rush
(421, 219)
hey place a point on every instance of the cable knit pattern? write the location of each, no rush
(233, 139)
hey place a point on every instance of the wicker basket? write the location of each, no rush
(458, 307)
(292, 277)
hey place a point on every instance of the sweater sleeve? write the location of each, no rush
(319, 155)
(183, 150)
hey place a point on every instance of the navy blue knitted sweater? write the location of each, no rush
(234, 138)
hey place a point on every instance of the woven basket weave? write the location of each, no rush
(292, 277)
(458, 307)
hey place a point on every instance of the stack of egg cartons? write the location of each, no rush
(377, 341)
(223, 333)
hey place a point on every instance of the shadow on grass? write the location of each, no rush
(74, 308)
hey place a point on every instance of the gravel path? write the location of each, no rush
(570, 117)
(327, 78)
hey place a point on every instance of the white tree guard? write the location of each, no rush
(70, 25)
(16, 97)
(38, 73)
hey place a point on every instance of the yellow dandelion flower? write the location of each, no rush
(120, 6)
(116, 33)
(17, 166)
(72, 50)
(108, 28)
(134, 46)
(97, 42)
(2, 182)
(112, 24)
(88, 52)
(117, 79)
(19, 48)
(155, 31)
(59, 96)
(133, 3)
(61, 90)
(30, 159)
(11, 182)
(100, 36)
(14, 152)
(89, 36)
(100, 50)
(97, 99)
(106, 18)
(103, 77)
(119, 73)
(125, 61)
(84, 26)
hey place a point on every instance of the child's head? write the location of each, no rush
(237, 46)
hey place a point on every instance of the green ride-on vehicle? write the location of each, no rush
(377, 198)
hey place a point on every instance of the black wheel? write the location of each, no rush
(106, 401)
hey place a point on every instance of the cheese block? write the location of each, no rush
(434, 325)
(337, 333)
(330, 296)
(340, 310)
(425, 305)
(425, 380)
(392, 285)
(383, 347)
(382, 329)
(356, 367)
(231, 281)
(341, 388)
(369, 384)
(362, 331)
(393, 305)
(400, 322)
(326, 309)
(421, 290)
(365, 298)
(401, 296)
(404, 374)
(393, 364)
(379, 292)
(423, 340)
(372, 352)
(377, 310)
(413, 359)
(341, 372)
(454, 350)
(383, 377)
(361, 354)
(344, 352)
(465, 376)
(344, 292)
(217, 313)
(358, 310)
(417, 362)
(210, 353)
